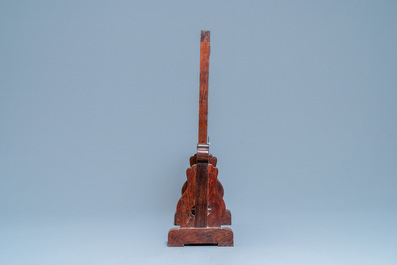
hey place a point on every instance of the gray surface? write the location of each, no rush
(98, 117)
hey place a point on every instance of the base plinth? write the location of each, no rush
(178, 237)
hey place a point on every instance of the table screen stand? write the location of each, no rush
(201, 211)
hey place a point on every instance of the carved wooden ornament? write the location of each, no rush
(201, 211)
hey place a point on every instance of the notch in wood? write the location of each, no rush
(205, 35)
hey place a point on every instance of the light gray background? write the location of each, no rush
(99, 114)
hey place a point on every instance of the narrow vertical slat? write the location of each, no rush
(201, 194)
(204, 70)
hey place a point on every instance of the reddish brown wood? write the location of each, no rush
(178, 237)
(204, 71)
(211, 159)
(201, 195)
(185, 209)
(216, 205)
(226, 218)
(201, 209)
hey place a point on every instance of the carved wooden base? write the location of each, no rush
(204, 228)
(178, 237)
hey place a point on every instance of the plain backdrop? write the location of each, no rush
(99, 116)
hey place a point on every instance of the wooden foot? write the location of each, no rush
(178, 237)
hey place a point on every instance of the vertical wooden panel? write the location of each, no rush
(204, 70)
